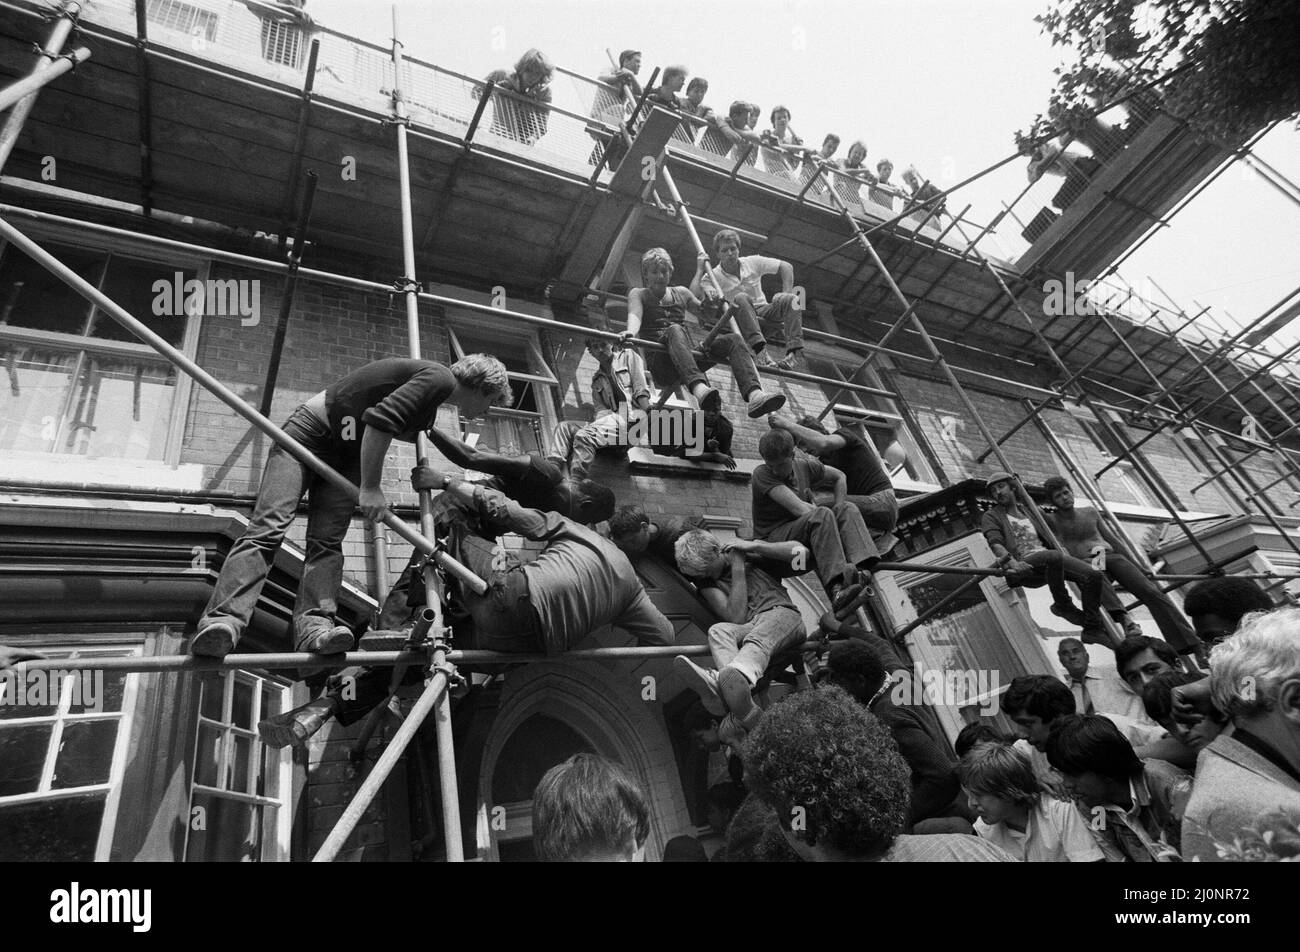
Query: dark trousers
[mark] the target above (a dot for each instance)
(879, 510)
(1172, 623)
(1053, 568)
(329, 513)
(837, 537)
(679, 365)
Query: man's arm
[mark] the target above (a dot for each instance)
(374, 447)
(637, 382)
(787, 499)
(787, 277)
(697, 287)
(496, 507)
(997, 543)
(839, 483)
(646, 623)
(818, 443)
(469, 457)
(787, 552)
(738, 597)
(633, 313)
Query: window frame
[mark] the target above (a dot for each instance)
(124, 717)
(138, 251)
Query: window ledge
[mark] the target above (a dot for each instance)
(646, 462)
(49, 469)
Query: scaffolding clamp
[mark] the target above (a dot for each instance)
(404, 285)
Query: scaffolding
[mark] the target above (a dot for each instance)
(436, 651)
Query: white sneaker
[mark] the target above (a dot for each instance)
(703, 681)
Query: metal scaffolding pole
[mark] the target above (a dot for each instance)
(909, 310)
(46, 60)
(225, 395)
(33, 81)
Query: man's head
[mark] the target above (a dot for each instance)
(589, 502)
(674, 78)
(1095, 760)
(884, 169)
(912, 177)
(483, 383)
(630, 60)
(1255, 680)
(755, 111)
(656, 269)
(831, 773)
(999, 781)
(589, 809)
(726, 245)
(857, 153)
(1140, 658)
(1034, 702)
(854, 666)
(1157, 698)
(629, 529)
(974, 734)
(534, 68)
(777, 449)
(738, 113)
(780, 117)
(1216, 606)
(1058, 492)
(1073, 657)
(830, 144)
(699, 554)
(696, 90)
(601, 348)
(1002, 488)
(684, 849)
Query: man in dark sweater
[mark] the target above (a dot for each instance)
(849, 451)
(632, 531)
(349, 426)
(578, 583)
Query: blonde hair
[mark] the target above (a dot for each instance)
(1248, 669)
(536, 57)
(484, 373)
(656, 255)
(696, 550)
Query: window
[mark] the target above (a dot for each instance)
(239, 790)
(76, 381)
(888, 431)
(63, 745)
(1128, 482)
(184, 18)
(526, 425)
(282, 42)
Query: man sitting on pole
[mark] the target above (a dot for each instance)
(850, 452)
(741, 583)
(350, 426)
(1085, 537)
(784, 511)
(1010, 532)
(660, 311)
(578, 583)
(742, 286)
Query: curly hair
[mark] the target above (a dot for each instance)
(830, 771)
(854, 666)
(597, 501)
(484, 373)
(1134, 645)
(1229, 598)
(754, 836)
(1247, 671)
(1053, 484)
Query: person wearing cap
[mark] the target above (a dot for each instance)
(1010, 532)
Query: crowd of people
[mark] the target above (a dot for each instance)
(523, 114)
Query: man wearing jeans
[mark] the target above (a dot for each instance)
(578, 583)
(742, 286)
(662, 311)
(618, 391)
(1010, 532)
(1084, 536)
(349, 426)
(847, 450)
(741, 582)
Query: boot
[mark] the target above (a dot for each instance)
(214, 641)
(794, 360)
(296, 727)
(1069, 611)
(323, 640)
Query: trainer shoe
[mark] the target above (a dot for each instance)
(326, 640)
(1069, 611)
(795, 361)
(734, 689)
(763, 359)
(885, 543)
(761, 403)
(711, 402)
(297, 726)
(214, 641)
(703, 681)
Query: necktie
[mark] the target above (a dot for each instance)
(1085, 701)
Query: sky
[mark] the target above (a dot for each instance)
(942, 84)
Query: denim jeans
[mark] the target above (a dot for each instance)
(1172, 623)
(780, 313)
(837, 537)
(578, 442)
(750, 648)
(329, 513)
(879, 510)
(1052, 568)
(679, 364)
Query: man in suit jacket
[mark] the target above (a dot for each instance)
(1254, 771)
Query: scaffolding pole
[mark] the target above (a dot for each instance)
(439, 701)
(33, 81)
(46, 59)
(909, 310)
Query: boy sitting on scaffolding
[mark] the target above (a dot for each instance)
(661, 309)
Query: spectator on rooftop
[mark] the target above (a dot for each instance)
(530, 79)
(922, 192)
(667, 93)
(853, 174)
(815, 160)
(781, 140)
(692, 104)
(610, 107)
(730, 135)
(882, 192)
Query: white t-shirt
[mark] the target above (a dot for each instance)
(752, 269)
(1026, 535)
(1056, 833)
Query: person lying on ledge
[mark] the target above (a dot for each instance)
(578, 583)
